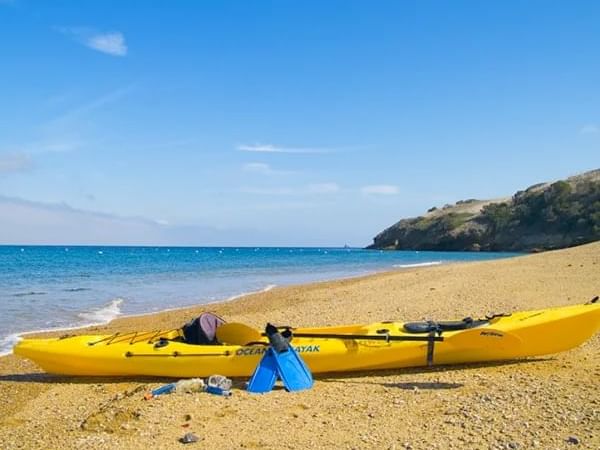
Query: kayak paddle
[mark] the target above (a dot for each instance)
(241, 334)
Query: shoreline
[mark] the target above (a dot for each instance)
(394, 269)
(19, 336)
(81, 310)
(532, 403)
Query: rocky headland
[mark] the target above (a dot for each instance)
(544, 216)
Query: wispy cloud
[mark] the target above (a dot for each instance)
(31, 222)
(110, 42)
(316, 188)
(14, 162)
(63, 132)
(269, 191)
(257, 167)
(263, 169)
(67, 144)
(268, 148)
(590, 128)
(53, 142)
(323, 188)
(91, 105)
(379, 189)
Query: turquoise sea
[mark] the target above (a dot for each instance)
(49, 287)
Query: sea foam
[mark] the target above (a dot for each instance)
(7, 343)
(423, 264)
(98, 317)
(105, 314)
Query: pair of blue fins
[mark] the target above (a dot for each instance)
(280, 361)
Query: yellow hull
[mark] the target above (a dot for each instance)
(522, 334)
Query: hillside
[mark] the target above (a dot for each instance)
(542, 217)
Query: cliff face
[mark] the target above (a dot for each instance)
(542, 217)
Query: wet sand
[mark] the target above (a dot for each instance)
(548, 403)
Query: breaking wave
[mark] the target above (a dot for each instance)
(105, 314)
(7, 343)
(423, 264)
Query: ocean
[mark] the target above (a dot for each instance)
(58, 287)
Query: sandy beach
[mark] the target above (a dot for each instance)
(548, 403)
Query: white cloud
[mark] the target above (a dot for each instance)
(66, 145)
(263, 169)
(257, 167)
(590, 129)
(111, 42)
(268, 191)
(268, 148)
(14, 162)
(318, 188)
(323, 188)
(379, 189)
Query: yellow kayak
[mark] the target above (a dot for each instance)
(382, 345)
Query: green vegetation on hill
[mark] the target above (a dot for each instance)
(561, 208)
(544, 216)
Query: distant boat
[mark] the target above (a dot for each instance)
(346, 246)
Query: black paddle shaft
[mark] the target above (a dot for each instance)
(370, 337)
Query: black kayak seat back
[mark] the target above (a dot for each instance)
(203, 329)
(431, 326)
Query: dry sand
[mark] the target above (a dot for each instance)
(547, 403)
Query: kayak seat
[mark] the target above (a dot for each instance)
(202, 330)
(438, 327)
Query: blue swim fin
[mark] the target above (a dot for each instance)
(264, 376)
(292, 370)
(280, 360)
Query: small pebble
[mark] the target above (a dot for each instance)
(189, 438)
(573, 440)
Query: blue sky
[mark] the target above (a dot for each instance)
(284, 122)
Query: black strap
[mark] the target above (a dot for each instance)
(430, 346)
